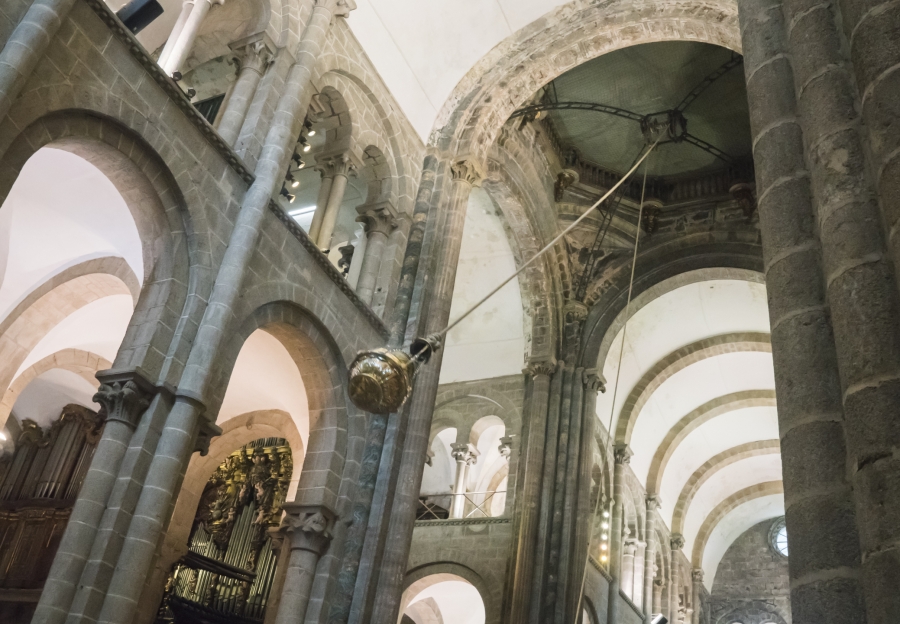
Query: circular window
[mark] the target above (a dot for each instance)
(778, 537)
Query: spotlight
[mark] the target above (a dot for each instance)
(659, 618)
(309, 129)
(296, 158)
(604, 536)
(294, 181)
(3, 437)
(603, 558)
(606, 514)
(287, 195)
(306, 146)
(602, 546)
(605, 525)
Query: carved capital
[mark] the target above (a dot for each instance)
(593, 381)
(653, 502)
(463, 452)
(622, 454)
(676, 541)
(308, 527)
(330, 165)
(630, 547)
(467, 170)
(255, 52)
(697, 575)
(541, 367)
(380, 217)
(506, 446)
(124, 398)
(575, 310)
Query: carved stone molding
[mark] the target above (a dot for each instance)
(676, 541)
(623, 454)
(308, 527)
(123, 397)
(467, 170)
(541, 367)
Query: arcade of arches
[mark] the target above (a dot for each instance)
(684, 409)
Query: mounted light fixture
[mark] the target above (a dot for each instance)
(309, 129)
(294, 181)
(305, 144)
(287, 195)
(296, 158)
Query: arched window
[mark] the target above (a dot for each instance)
(778, 537)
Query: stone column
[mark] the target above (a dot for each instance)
(465, 173)
(254, 57)
(123, 399)
(697, 591)
(658, 585)
(26, 46)
(818, 500)
(649, 603)
(379, 220)
(185, 41)
(529, 491)
(861, 279)
(341, 169)
(307, 531)
(464, 457)
(637, 589)
(676, 541)
(327, 176)
(622, 459)
(627, 580)
(186, 9)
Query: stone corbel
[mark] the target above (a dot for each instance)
(676, 541)
(378, 217)
(506, 447)
(308, 527)
(124, 396)
(593, 381)
(208, 431)
(255, 52)
(697, 575)
(575, 310)
(653, 503)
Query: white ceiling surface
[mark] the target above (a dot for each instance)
(490, 342)
(98, 327)
(733, 526)
(44, 231)
(690, 388)
(423, 49)
(44, 398)
(459, 601)
(678, 318)
(265, 377)
(752, 424)
(724, 483)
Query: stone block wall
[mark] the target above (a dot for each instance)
(751, 584)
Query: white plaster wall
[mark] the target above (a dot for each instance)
(265, 377)
(490, 342)
(60, 212)
(438, 477)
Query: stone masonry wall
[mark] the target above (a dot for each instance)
(751, 584)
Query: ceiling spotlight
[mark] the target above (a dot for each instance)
(306, 146)
(606, 514)
(296, 158)
(602, 546)
(294, 181)
(309, 129)
(605, 525)
(287, 195)
(603, 558)
(604, 536)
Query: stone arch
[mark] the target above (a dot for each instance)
(740, 497)
(711, 467)
(481, 425)
(700, 252)
(335, 117)
(422, 577)
(574, 33)
(333, 421)
(21, 334)
(83, 363)
(377, 173)
(159, 211)
(677, 361)
(690, 422)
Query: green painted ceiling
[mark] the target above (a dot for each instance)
(646, 79)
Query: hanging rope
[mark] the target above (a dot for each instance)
(612, 409)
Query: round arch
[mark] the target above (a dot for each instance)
(420, 578)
